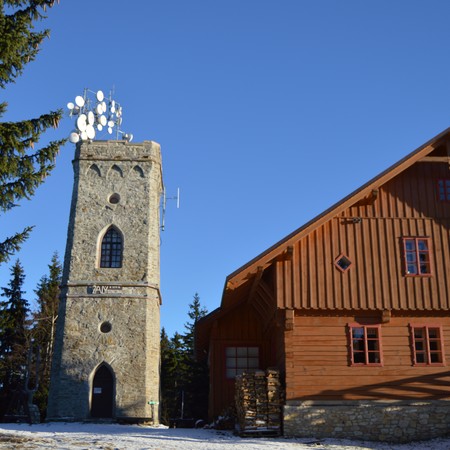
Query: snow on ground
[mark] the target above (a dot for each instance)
(87, 436)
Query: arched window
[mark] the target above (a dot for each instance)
(111, 251)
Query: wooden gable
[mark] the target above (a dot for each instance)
(366, 228)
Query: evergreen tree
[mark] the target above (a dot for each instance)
(196, 312)
(22, 168)
(196, 379)
(184, 381)
(13, 335)
(44, 327)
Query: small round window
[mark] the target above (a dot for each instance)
(105, 327)
(114, 198)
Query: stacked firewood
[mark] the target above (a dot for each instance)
(258, 402)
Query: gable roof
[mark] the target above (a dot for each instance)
(248, 270)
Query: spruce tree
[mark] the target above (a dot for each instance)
(196, 379)
(22, 167)
(13, 335)
(43, 332)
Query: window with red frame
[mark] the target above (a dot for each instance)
(443, 190)
(365, 345)
(241, 359)
(427, 345)
(417, 257)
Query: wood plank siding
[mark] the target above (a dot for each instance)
(317, 362)
(295, 303)
(371, 238)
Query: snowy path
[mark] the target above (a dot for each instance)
(82, 436)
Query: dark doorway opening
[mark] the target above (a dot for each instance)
(102, 393)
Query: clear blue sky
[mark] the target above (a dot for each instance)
(267, 112)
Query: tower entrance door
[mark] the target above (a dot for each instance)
(102, 393)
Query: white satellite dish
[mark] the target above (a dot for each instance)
(99, 109)
(90, 118)
(84, 136)
(79, 100)
(70, 106)
(110, 123)
(81, 122)
(100, 96)
(99, 127)
(109, 130)
(113, 109)
(103, 120)
(103, 106)
(74, 137)
(90, 131)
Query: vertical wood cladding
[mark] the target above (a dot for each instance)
(317, 362)
(370, 236)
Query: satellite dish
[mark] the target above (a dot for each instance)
(100, 96)
(103, 120)
(70, 106)
(113, 109)
(84, 136)
(74, 137)
(99, 109)
(90, 118)
(113, 104)
(79, 100)
(90, 131)
(109, 130)
(99, 127)
(110, 123)
(103, 106)
(81, 122)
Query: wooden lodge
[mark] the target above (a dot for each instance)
(352, 309)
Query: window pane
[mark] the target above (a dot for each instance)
(420, 358)
(241, 351)
(418, 333)
(359, 358)
(230, 351)
(241, 362)
(435, 357)
(358, 333)
(412, 269)
(422, 245)
(253, 351)
(372, 333)
(374, 357)
(410, 245)
(433, 333)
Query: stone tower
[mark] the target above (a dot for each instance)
(106, 357)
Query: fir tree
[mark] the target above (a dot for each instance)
(13, 335)
(44, 327)
(22, 167)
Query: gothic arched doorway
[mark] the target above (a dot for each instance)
(102, 393)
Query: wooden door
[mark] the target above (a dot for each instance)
(102, 393)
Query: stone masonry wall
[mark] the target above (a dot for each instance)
(130, 349)
(373, 421)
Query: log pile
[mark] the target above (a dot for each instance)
(258, 403)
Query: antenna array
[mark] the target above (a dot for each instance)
(94, 115)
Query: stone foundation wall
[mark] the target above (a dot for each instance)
(365, 420)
